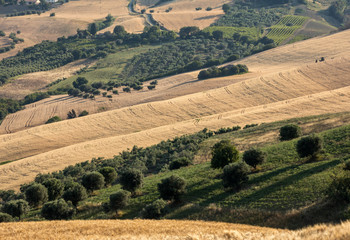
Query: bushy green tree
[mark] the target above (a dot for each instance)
(339, 189)
(179, 162)
(172, 188)
(223, 153)
(36, 194)
(253, 157)
(131, 180)
(54, 188)
(16, 208)
(93, 181)
(109, 174)
(155, 210)
(75, 193)
(56, 210)
(119, 200)
(289, 132)
(309, 146)
(235, 175)
(4, 217)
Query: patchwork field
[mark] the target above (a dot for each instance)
(285, 82)
(68, 18)
(164, 229)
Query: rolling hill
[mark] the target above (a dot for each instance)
(284, 82)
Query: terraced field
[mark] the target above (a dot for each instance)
(284, 82)
(285, 28)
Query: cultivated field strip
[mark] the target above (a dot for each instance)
(165, 230)
(276, 91)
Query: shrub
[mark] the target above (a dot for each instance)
(339, 189)
(119, 200)
(289, 132)
(52, 14)
(36, 194)
(253, 157)
(83, 113)
(75, 194)
(155, 210)
(54, 188)
(235, 175)
(71, 114)
(126, 89)
(151, 87)
(209, 9)
(53, 119)
(223, 153)
(93, 181)
(16, 208)
(309, 146)
(58, 209)
(4, 217)
(131, 180)
(109, 174)
(172, 188)
(115, 92)
(180, 162)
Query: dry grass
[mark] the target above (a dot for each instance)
(32, 82)
(164, 229)
(285, 83)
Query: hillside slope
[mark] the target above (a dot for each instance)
(164, 229)
(286, 83)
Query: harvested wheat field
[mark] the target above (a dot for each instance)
(287, 83)
(25, 84)
(164, 229)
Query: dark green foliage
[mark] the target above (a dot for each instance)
(54, 188)
(93, 181)
(4, 217)
(180, 162)
(36, 194)
(16, 208)
(8, 195)
(235, 175)
(250, 17)
(250, 125)
(109, 175)
(289, 132)
(126, 89)
(309, 146)
(223, 71)
(75, 193)
(8, 106)
(119, 200)
(71, 114)
(53, 119)
(57, 210)
(225, 8)
(155, 210)
(339, 189)
(151, 87)
(93, 28)
(131, 180)
(2, 34)
(347, 166)
(119, 31)
(187, 32)
(218, 35)
(172, 188)
(226, 130)
(253, 157)
(80, 81)
(337, 9)
(34, 97)
(223, 153)
(83, 113)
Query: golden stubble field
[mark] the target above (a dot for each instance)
(68, 18)
(164, 229)
(183, 12)
(285, 82)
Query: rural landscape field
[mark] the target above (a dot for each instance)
(156, 119)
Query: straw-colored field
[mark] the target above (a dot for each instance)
(184, 13)
(69, 17)
(164, 229)
(285, 82)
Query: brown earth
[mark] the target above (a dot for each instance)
(164, 229)
(285, 82)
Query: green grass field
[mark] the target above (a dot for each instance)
(284, 183)
(251, 32)
(285, 28)
(106, 69)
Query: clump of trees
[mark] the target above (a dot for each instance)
(289, 132)
(172, 188)
(15, 208)
(222, 71)
(155, 210)
(53, 119)
(223, 153)
(57, 209)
